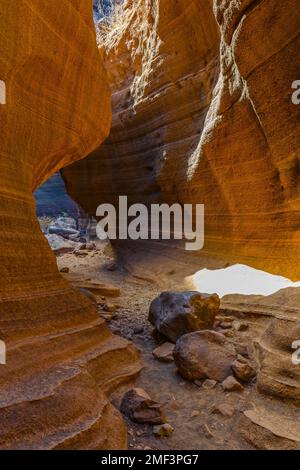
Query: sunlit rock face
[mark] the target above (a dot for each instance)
(53, 387)
(202, 113)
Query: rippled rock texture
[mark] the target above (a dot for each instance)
(202, 113)
(61, 358)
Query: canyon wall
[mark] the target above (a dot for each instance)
(62, 361)
(202, 113)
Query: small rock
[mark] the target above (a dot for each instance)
(209, 384)
(80, 254)
(90, 246)
(224, 410)
(232, 385)
(165, 430)
(140, 408)
(164, 353)
(195, 414)
(204, 429)
(198, 383)
(240, 326)
(65, 270)
(226, 325)
(113, 266)
(228, 333)
(243, 369)
(82, 246)
(99, 288)
(242, 350)
(109, 308)
(138, 330)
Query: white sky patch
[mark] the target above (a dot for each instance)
(240, 279)
(2, 92)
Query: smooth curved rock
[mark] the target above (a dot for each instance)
(62, 361)
(176, 313)
(204, 114)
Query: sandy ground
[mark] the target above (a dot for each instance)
(191, 410)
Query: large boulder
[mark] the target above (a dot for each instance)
(176, 313)
(204, 355)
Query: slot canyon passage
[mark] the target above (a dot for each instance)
(201, 113)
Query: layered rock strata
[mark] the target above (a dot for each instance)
(61, 359)
(203, 113)
(271, 421)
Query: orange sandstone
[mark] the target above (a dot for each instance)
(203, 113)
(62, 360)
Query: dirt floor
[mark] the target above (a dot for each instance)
(202, 419)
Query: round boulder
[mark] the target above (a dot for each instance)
(204, 355)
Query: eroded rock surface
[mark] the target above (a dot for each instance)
(176, 313)
(140, 408)
(203, 113)
(62, 361)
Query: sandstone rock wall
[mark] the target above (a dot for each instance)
(202, 113)
(61, 359)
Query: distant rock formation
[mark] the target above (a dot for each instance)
(62, 361)
(53, 200)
